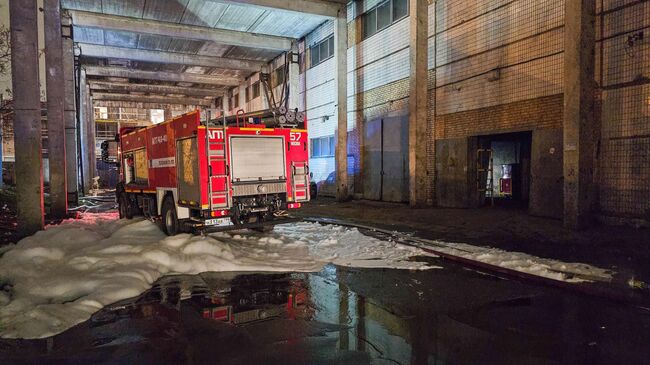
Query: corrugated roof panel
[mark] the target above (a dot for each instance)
(239, 17)
(213, 49)
(154, 42)
(287, 24)
(224, 72)
(88, 35)
(204, 13)
(132, 8)
(120, 39)
(150, 66)
(87, 5)
(256, 54)
(185, 45)
(165, 10)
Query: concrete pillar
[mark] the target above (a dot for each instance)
(55, 108)
(226, 104)
(84, 126)
(27, 119)
(69, 115)
(341, 61)
(579, 87)
(418, 57)
(90, 134)
(1, 150)
(168, 112)
(263, 94)
(294, 78)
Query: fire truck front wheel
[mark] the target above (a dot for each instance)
(169, 218)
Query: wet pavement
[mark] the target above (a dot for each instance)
(349, 316)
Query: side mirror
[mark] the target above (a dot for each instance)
(311, 175)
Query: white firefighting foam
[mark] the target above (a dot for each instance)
(59, 277)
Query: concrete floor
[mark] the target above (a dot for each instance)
(625, 250)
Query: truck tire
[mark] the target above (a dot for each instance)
(170, 223)
(126, 211)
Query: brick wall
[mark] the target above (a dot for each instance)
(539, 113)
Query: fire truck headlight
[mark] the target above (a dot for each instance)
(261, 189)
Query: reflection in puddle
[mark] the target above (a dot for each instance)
(349, 316)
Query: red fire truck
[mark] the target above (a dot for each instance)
(207, 175)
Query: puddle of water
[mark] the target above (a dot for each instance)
(347, 316)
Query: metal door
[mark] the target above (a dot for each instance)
(386, 159)
(395, 160)
(372, 160)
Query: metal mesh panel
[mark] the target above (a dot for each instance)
(623, 67)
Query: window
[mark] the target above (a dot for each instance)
(278, 76)
(400, 9)
(256, 90)
(248, 94)
(101, 112)
(322, 50)
(323, 146)
(218, 103)
(369, 21)
(383, 15)
(236, 96)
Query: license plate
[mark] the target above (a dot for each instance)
(218, 222)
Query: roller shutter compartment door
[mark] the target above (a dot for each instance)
(188, 170)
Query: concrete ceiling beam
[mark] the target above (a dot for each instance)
(150, 99)
(107, 71)
(314, 7)
(99, 51)
(132, 104)
(153, 89)
(153, 27)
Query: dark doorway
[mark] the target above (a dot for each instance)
(503, 169)
(386, 159)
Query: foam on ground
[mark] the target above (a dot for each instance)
(59, 277)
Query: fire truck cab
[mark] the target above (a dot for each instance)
(208, 175)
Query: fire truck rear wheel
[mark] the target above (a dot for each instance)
(125, 207)
(169, 218)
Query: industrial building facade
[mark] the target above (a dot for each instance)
(495, 86)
